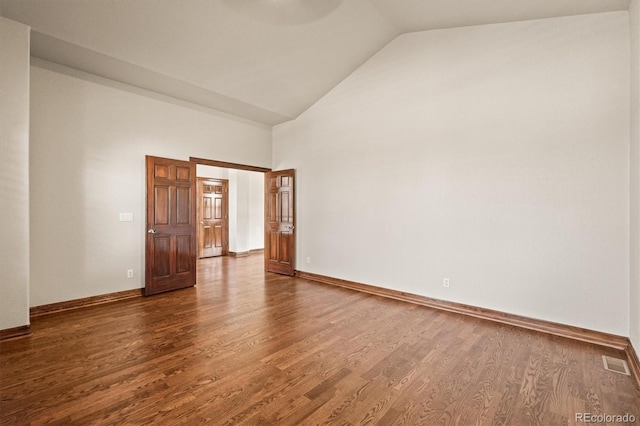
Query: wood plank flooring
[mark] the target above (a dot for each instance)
(246, 347)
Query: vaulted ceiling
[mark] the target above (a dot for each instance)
(265, 60)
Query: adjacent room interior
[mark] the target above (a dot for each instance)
(467, 183)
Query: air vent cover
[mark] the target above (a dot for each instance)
(616, 365)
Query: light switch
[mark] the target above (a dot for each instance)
(126, 217)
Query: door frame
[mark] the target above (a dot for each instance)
(238, 166)
(227, 165)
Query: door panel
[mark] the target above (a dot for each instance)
(183, 173)
(171, 225)
(213, 217)
(184, 208)
(161, 205)
(206, 237)
(218, 208)
(280, 222)
(207, 209)
(217, 236)
(161, 258)
(184, 252)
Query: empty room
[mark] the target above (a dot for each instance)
(301, 212)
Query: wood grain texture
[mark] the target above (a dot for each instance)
(562, 330)
(68, 305)
(252, 348)
(228, 165)
(14, 332)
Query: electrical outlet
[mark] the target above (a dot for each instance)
(446, 282)
(308, 259)
(129, 273)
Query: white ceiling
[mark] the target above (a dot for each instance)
(265, 60)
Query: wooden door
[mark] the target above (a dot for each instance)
(171, 225)
(279, 211)
(213, 217)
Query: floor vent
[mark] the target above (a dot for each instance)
(616, 365)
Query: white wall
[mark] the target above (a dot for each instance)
(496, 156)
(88, 143)
(256, 211)
(212, 172)
(241, 210)
(634, 293)
(14, 174)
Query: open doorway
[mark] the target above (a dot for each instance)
(245, 224)
(279, 238)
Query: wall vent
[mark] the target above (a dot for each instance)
(616, 365)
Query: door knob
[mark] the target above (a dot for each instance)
(151, 231)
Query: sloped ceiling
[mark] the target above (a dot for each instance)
(264, 60)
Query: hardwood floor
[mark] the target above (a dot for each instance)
(246, 347)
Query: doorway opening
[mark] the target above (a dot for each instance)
(279, 238)
(231, 206)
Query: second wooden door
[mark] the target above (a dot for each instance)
(279, 216)
(213, 217)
